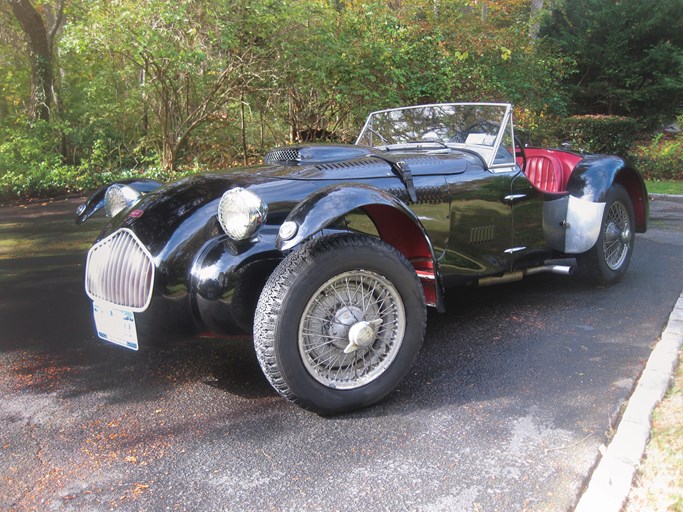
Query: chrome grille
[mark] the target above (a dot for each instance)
(120, 270)
(282, 156)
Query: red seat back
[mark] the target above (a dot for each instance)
(545, 173)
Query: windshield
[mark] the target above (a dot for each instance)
(480, 127)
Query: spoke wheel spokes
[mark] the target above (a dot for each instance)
(325, 329)
(617, 236)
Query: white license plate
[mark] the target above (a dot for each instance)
(115, 325)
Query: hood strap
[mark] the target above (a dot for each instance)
(401, 169)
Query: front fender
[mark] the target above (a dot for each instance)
(328, 204)
(227, 279)
(96, 200)
(396, 224)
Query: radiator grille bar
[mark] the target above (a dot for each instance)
(120, 270)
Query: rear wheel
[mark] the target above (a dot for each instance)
(339, 323)
(608, 260)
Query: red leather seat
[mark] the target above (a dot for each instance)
(545, 173)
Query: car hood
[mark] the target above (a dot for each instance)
(289, 175)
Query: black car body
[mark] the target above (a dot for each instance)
(430, 197)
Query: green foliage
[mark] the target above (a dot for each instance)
(601, 134)
(662, 158)
(44, 180)
(668, 187)
(628, 54)
(30, 165)
(24, 145)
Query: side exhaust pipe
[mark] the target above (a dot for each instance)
(563, 270)
(548, 268)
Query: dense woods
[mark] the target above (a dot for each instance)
(92, 89)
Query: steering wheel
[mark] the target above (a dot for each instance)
(519, 152)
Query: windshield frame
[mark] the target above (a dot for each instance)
(486, 151)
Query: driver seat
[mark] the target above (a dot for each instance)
(545, 173)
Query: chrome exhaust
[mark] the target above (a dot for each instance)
(518, 275)
(563, 270)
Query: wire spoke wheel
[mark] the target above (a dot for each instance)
(617, 236)
(339, 323)
(351, 329)
(607, 261)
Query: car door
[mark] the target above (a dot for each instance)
(529, 244)
(481, 239)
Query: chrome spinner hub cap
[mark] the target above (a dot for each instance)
(344, 319)
(362, 334)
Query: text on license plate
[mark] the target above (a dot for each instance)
(115, 325)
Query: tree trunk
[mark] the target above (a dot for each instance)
(292, 115)
(39, 41)
(535, 21)
(168, 155)
(243, 132)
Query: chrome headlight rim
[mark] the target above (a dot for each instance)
(241, 213)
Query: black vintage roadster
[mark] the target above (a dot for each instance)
(330, 254)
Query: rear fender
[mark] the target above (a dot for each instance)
(593, 177)
(396, 224)
(96, 200)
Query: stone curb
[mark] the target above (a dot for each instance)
(666, 197)
(611, 481)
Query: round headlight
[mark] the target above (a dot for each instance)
(240, 213)
(118, 197)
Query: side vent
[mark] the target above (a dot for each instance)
(482, 235)
(365, 162)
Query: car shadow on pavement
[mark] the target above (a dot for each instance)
(47, 325)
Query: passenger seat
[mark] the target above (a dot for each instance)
(545, 173)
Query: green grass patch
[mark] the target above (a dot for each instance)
(665, 187)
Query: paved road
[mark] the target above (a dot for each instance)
(515, 390)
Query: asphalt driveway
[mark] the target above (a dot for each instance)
(515, 390)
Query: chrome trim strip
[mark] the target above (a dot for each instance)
(513, 250)
(514, 197)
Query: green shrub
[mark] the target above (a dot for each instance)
(31, 166)
(661, 159)
(22, 147)
(49, 178)
(612, 135)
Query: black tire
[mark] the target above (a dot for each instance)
(303, 323)
(608, 260)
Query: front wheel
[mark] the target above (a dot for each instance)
(339, 323)
(608, 260)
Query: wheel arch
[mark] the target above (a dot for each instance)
(633, 182)
(396, 225)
